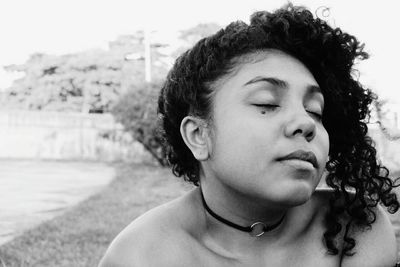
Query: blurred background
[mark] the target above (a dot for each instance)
(79, 158)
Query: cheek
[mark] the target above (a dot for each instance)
(232, 140)
(241, 139)
(242, 142)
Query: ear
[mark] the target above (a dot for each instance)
(194, 132)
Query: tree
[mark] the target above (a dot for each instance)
(137, 112)
(391, 135)
(192, 35)
(89, 81)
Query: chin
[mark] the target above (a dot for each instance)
(295, 195)
(298, 200)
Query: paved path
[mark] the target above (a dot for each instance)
(34, 191)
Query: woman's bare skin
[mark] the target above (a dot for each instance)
(182, 233)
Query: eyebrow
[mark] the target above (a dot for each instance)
(271, 80)
(281, 83)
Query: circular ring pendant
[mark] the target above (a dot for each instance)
(257, 229)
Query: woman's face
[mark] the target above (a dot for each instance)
(268, 139)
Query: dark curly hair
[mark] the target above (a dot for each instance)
(358, 180)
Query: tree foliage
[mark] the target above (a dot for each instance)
(382, 120)
(191, 35)
(89, 81)
(137, 111)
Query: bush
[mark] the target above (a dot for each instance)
(137, 112)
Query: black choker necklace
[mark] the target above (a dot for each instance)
(256, 229)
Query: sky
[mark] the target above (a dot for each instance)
(68, 26)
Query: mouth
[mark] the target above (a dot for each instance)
(302, 156)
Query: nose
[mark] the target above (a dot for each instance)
(300, 125)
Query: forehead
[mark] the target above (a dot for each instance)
(271, 62)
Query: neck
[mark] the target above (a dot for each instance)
(242, 210)
(238, 208)
(229, 239)
(257, 228)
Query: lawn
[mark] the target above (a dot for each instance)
(80, 236)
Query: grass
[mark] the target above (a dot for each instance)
(80, 236)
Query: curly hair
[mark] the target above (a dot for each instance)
(359, 181)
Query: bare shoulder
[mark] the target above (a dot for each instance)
(151, 239)
(376, 246)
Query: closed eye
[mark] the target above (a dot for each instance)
(317, 115)
(266, 107)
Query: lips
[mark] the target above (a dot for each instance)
(301, 155)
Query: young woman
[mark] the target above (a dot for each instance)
(255, 115)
